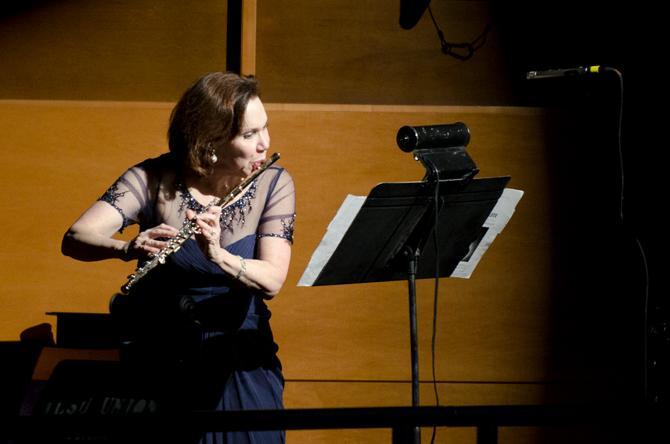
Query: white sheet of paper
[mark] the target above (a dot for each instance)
(334, 234)
(498, 218)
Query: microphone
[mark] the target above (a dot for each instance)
(569, 72)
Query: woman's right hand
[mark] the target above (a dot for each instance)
(149, 242)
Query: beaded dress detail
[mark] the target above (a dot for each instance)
(235, 213)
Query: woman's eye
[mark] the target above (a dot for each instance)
(247, 135)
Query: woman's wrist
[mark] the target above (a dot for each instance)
(124, 252)
(243, 268)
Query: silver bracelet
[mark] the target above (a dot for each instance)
(243, 268)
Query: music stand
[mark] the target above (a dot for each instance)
(392, 237)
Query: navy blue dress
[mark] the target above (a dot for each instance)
(201, 339)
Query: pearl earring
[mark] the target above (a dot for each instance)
(212, 155)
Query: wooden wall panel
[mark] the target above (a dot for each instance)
(350, 51)
(331, 51)
(100, 50)
(53, 169)
(58, 157)
(147, 50)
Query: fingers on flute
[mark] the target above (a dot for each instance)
(168, 229)
(160, 232)
(214, 211)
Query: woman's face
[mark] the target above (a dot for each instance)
(246, 151)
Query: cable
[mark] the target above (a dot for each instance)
(620, 142)
(452, 49)
(636, 240)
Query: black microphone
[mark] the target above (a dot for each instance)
(569, 72)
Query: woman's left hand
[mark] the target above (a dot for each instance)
(209, 237)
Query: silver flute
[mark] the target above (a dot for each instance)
(190, 228)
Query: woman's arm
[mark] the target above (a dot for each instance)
(90, 238)
(266, 273)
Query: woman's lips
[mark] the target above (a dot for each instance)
(256, 164)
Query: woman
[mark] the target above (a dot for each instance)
(199, 324)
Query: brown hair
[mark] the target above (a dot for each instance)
(209, 115)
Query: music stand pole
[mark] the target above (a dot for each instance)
(413, 261)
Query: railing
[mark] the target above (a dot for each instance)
(401, 420)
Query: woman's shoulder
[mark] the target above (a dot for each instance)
(153, 169)
(275, 181)
(152, 175)
(277, 172)
(164, 162)
(275, 176)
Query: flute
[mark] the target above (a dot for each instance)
(190, 228)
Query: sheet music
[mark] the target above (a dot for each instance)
(334, 234)
(500, 214)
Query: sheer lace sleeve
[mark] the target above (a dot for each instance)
(278, 217)
(129, 195)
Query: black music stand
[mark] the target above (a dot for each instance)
(392, 237)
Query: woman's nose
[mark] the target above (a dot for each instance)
(264, 142)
